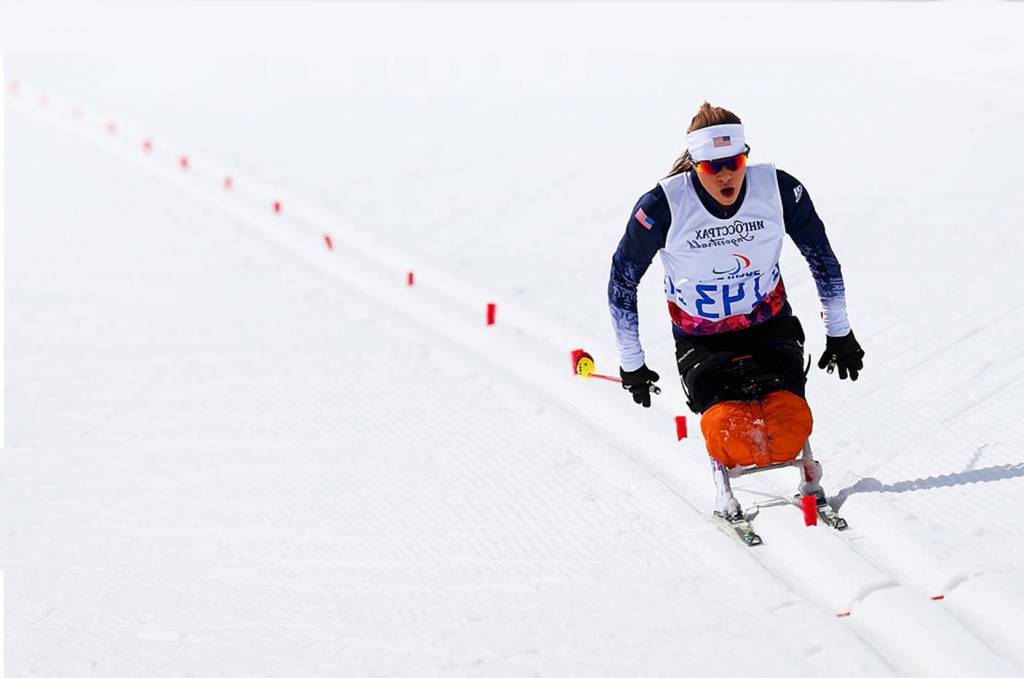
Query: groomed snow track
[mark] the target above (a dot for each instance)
(883, 584)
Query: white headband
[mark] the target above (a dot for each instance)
(717, 141)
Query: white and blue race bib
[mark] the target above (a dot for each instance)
(716, 269)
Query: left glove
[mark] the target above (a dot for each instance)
(844, 353)
(640, 382)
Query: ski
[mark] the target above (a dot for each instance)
(826, 513)
(738, 527)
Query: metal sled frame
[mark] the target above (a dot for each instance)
(805, 459)
(805, 462)
(810, 486)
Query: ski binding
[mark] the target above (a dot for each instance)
(739, 527)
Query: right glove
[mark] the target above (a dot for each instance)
(844, 353)
(640, 382)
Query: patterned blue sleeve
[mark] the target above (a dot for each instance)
(645, 234)
(806, 229)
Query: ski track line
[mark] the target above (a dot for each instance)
(905, 629)
(991, 630)
(876, 525)
(884, 605)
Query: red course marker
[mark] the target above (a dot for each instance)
(490, 313)
(842, 614)
(228, 183)
(277, 206)
(111, 127)
(328, 241)
(147, 145)
(409, 279)
(680, 428)
(938, 597)
(12, 87)
(809, 503)
(183, 162)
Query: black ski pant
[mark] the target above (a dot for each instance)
(742, 365)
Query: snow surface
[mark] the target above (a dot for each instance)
(234, 452)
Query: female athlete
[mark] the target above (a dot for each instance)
(718, 224)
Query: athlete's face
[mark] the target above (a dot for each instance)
(724, 187)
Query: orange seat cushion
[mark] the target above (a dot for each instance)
(758, 432)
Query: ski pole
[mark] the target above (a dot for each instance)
(583, 365)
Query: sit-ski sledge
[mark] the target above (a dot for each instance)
(810, 497)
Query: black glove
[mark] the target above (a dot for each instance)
(844, 353)
(640, 382)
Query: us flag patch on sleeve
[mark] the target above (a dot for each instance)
(644, 220)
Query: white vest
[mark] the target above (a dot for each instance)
(720, 268)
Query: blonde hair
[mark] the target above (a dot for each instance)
(707, 116)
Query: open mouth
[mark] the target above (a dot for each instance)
(728, 192)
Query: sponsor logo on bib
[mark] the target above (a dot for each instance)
(731, 234)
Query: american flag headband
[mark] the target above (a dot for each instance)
(715, 142)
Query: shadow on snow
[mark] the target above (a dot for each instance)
(977, 475)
